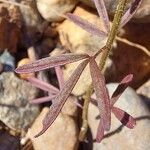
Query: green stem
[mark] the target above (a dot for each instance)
(84, 128)
(111, 36)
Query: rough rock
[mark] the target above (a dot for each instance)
(15, 110)
(63, 133)
(11, 13)
(142, 15)
(9, 28)
(127, 59)
(6, 59)
(52, 10)
(31, 16)
(34, 24)
(121, 137)
(80, 41)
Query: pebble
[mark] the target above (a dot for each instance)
(62, 134)
(15, 110)
(53, 10)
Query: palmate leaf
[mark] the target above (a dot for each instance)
(43, 85)
(100, 6)
(130, 12)
(101, 93)
(126, 119)
(50, 62)
(61, 98)
(121, 88)
(84, 24)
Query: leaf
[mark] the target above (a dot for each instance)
(121, 88)
(130, 12)
(100, 132)
(60, 78)
(61, 98)
(124, 117)
(50, 62)
(43, 85)
(100, 5)
(42, 99)
(89, 27)
(101, 94)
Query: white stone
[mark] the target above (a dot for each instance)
(52, 10)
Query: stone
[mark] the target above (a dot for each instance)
(11, 13)
(61, 135)
(9, 35)
(144, 90)
(126, 58)
(53, 10)
(33, 23)
(120, 137)
(21, 63)
(70, 107)
(81, 42)
(15, 110)
(31, 16)
(142, 14)
(7, 59)
(10, 18)
(8, 31)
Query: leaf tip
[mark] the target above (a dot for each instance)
(17, 70)
(127, 78)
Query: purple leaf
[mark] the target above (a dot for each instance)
(101, 92)
(50, 62)
(124, 117)
(43, 85)
(100, 132)
(61, 98)
(42, 99)
(60, 78)
(89, 27)
(121, 88)
(100, 5)
(130, 12)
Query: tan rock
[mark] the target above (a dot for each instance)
(62, 135)
(23, 62)
(70, 107)
(51, 10)
(80, 42)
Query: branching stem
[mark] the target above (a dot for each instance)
(111, 36)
